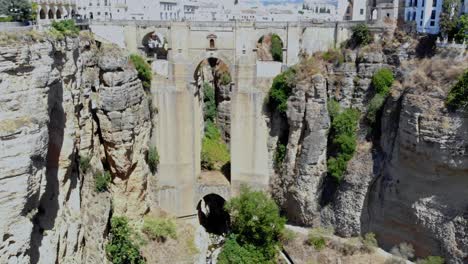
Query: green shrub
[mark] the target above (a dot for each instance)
(152, 159)
(361, 35)
(318, 242)
(333, 56)
(85, 163)
(6, 19)
(462, 29)
(121, 249)
(287, 235)
(276, 48)
(431, 260)
(382, 81)
(232, 253)
(215, 153)
(343, 138)
(280, 154)
(66, 27)
(256, 221)
(458, 96)
(209, 110)
(280, 91)
(369, 242)
(225, 78)
(102, 181)
(159, 228)
(374, 107)
(333, 108)
(145, 74)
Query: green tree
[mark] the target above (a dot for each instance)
(462, 29)
(382, 80)
(280, 90)
(256, 221)
(145, 74)
(431, 260)
(159, 228)
(343, 137)
(209, 100)
(234, 253)
(19, 10)
(458, 96)
(120, 248)
(276, 48)
(449, 18)
(361, 35)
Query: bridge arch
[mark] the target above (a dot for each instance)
(58, 13)
(42, 13)
(155, 44)
(197, 60)
(271, 41)
(212, 215)
(50, 14)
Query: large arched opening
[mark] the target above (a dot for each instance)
(270, 48)
(213, 81)
(155, 46)
(212, 215)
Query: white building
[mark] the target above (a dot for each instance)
(425, 14)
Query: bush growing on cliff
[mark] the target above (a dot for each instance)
(342, 138)
(256, 221)
(361, 36)
(225, 78)
(65, 28)
(431, 260)
(318, 242)
(84, 163)
(145, 74)
(102, 181)
(152, 159)
(280, 91)
(120, 248)
(458, 96)
(159, 228)
(382, 82)
(333, 56)
(280, 154)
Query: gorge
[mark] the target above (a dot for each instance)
(81, 130)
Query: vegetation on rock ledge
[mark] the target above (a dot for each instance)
(145, 73)
(120, 248)
(159, 228)
(102, 181)
(382, 82)
(152, 159)
(458, 96)
(342, 138)
(280, 90)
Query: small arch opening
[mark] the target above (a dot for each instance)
(212, 215)
(155, 46)
(212, 43)
(270, 48)
(42, 14)
(51, 14)
(58, 14)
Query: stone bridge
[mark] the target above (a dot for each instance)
(179, 122)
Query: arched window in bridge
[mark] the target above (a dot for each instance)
(51, 14)
(42, 14)
(212, 41)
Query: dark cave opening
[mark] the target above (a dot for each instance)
(212, 215)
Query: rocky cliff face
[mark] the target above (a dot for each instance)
(406, 184)
(62, 102)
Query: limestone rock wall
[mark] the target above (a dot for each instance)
(62, 100)
(407, 183)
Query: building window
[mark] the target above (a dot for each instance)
(432, 23)
(434, 3)
(212, 44)
(408, 16)
(422, 14)
(414, 15)
(433, 14)
(422, 4)
(420, 23)
(415, 2)
(361, 11)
